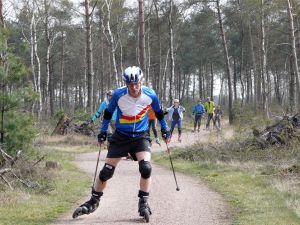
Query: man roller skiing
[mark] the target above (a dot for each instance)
(131, 137)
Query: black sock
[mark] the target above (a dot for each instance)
(142, 194)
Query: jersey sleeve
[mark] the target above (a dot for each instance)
(99, 111)
(108, 113)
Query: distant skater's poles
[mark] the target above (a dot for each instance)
(168, 150)
(97, 166)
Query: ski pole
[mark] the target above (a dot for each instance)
(168, 150)
(97, 166)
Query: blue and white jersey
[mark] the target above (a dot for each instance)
(132, 113)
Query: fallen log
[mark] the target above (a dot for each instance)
(287, 128)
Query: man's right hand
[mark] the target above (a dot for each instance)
(166, 135)
(102, 137)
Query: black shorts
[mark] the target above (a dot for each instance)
(120, 145)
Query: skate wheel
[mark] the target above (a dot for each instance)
(77, 212)
(80, 211)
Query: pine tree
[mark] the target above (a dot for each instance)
(16, 93)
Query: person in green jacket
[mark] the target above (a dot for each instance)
(209, 108)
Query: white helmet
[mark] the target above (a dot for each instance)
(132, 75)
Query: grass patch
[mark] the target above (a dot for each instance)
(26, 207)
(252, 198)
(70, 140)
(261, 186)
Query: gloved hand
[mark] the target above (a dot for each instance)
(166, 135)
(102, 137)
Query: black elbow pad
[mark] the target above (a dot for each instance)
(107, 115)
(159, 115)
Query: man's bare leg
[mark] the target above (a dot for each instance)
(100, 185)
(106, 173)
(145, 183)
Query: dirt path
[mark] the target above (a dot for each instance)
(193, 204)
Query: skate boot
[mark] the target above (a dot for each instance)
(144, 209)
(157, 141)
(179, 138)
(89, 206)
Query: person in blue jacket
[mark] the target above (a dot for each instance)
(101, 109)
(198, 112)
(131, 136)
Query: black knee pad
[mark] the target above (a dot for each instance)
(145, 169)
(107, 172)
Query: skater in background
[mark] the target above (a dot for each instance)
(209, 108)
(175, 115)
(217, 117)
(131, 136)
(152, 124)
(101, 109)
(198, 112)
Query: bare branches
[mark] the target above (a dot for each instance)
(6, 181)
(9, 162)
(4, 171)
(5, 155)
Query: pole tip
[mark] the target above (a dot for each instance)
(177, 189)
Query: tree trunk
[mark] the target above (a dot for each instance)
(242, 53)
(248, 85)
(89, 56)
(187, 87)
(172, 62)
(178, 84)
(81, 104)
(102, 70)
(194, 86)
(110, 39)
(121, 51)
(200, 83)
(221, 92)
(142, 37)
(211, 81)
(226, 58)
(32, 52)
(292, 87)
(254, 68)
(2, 24)
(38, 63)
(183, 88)
(277, 86)
(293, 49)
(159, 78)
(62, 65)
(48, 47)
(234, 79)
(148, 56)
(51, 85)
(3, 62)
(264, 62)
(164, 78)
